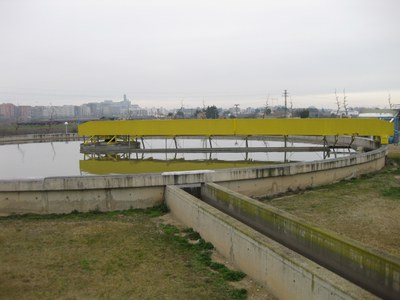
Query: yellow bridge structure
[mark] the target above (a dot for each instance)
(126, 130)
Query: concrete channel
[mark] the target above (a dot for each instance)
(286, 273)
(375, 271)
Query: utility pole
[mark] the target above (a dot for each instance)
(285, 94)
(266, 108)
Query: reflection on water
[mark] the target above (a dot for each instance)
(64, 159)
(39, 160)
(137, 166)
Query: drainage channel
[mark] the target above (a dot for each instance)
(375, 272)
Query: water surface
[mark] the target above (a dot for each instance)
(64, 158)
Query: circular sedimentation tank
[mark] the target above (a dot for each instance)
(63, 194)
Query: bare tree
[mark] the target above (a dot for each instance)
(390, 102)
(345, 103)
(291, 106)
(337, 103)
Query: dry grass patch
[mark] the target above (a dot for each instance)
(119, 255)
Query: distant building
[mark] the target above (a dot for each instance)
(344, 114)
(157, 112)
(382, 114)
(24, 113)
(37, 112)
(137, 112)
(82, 111)
(7, 111)
(65, 111)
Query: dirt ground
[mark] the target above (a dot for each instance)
(365, 209)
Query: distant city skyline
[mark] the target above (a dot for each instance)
(366, 99)
(163, 53)
(124, 109)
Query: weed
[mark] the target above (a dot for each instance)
(204, 257)
(191, 234)
(203, 245)
(226, 273)
(202, 253)
(216, 266)
(392, 192)
(170, 229)
(86, 264)
(164, 208)
(238, 294)
(92, 214)
(156, 211)
(232, 275)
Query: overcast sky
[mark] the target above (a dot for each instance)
(164, 53)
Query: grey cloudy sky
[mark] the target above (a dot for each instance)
(161, 53)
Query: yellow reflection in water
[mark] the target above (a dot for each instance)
(137, 166)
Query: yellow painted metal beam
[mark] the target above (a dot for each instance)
(240, 127)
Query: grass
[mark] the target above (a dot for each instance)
(365, 208)
(201, 252)
(392, 192)
(115, 255)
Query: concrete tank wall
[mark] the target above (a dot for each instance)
(285, 273)
(66, 201)
(39, 138)
(299, 176)
(54, 194)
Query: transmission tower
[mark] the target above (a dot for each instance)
(285, 94)
(266, 107)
